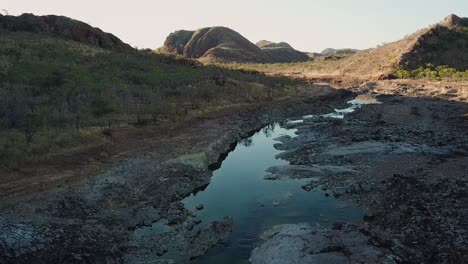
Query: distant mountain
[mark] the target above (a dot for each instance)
(63, 27)
(268, 44)
(221, 44)
(314, 55)
(281, 52)
(331, 51)
(214, 44)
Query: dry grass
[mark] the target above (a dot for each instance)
(365, 65)
(15, 152)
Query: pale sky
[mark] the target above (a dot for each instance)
(308, 25)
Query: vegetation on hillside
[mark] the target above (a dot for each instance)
(432, 72)
(58, 94)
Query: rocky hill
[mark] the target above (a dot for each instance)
(63, 27)
(221, 44)
(445, 43)
(214, 44)
(281, 52)
(331, 51)
(268, 44)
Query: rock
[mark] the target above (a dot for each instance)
(302, 243)
(200, 207)
(162, 250)
(309, 186)
(369, 216)
(352, 188)
(303, 171)
(177, 213)
(271, 177)
(208, 236)
(338, 191)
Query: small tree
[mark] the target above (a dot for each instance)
(101, 108)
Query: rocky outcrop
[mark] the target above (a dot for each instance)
(454, 21)
(281, 52)
(63, 27)
(214, 44)
(445, 43)
(221, 44)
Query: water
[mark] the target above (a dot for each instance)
(237, 189)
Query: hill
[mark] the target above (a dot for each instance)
(268, 44)
(331, 51)
(281, 52)
(446, 43)
(443, 44)
(64, 27)
(221, 44)
(215, 44)
(61, 90)
(440, 51)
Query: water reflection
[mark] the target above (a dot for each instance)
(237, 189)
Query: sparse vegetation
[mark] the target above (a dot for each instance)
(431, 72)
(50, 86)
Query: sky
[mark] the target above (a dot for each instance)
(308, 25)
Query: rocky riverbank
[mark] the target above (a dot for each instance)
(120, 215)
(404, 161)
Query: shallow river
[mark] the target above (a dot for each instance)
(238, 190)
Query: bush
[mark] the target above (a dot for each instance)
(402, 74)
(431, 72)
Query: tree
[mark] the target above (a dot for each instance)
(100, 108)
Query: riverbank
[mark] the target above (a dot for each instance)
(93, 213)
(401, 160)
(406, 159)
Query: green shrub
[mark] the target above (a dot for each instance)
(402, 74)
(431, 72)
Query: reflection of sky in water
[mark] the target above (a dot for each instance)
(238, 190)
(358, 102)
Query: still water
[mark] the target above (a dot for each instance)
(238, 190)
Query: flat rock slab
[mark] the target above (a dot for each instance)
(302, 243)
(372, 147)
(305, 172)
